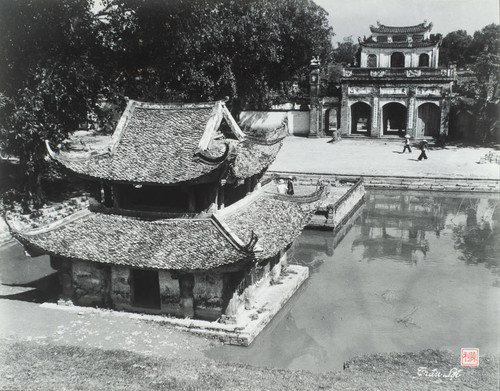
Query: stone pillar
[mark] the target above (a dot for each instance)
(315, 110)
(248, 185)
(116, 195)
(345, 122)
(191, 199)
(445, 114)
(221, 193)
(375, 128)
(411, 116)
(108, 197)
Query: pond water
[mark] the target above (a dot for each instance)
(414, 271)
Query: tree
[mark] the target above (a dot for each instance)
(346, 52)
(59, 61)
(204, 50)
(49, 78)
(476, 94)
(455, 48)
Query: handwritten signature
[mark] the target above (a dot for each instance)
(454, 373)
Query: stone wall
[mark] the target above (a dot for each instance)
(208, 294)
(90, 283)
(298, 121)
(258, 278)
(120, 287)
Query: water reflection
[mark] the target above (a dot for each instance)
(406, 273)
(395, 225)
(478, 238)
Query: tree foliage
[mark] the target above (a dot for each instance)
(59, 60)
(455, 48)
(48, 76)
(203, 50)
(346, 52)
(475, 93)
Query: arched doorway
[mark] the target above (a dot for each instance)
(429, 120)
(397, 60)
(423, 60)
(332, 120)
(361, 118)
(394, 118)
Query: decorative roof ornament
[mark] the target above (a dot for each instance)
(315, 61)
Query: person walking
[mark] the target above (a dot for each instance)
(407, 144)
(423, 148)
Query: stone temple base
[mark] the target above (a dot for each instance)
(244, 326)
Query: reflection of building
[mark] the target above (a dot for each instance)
(183, 225)
(398, 88)
(396, 226)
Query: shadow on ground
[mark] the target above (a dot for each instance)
(43, 289)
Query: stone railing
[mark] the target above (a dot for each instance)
(345, 204)
(375, 73)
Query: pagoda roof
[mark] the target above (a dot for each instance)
(277, 220)
(241, 233)
(416, 29)
(167, 144)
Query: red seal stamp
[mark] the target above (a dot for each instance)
(469, 356)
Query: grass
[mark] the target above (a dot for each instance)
(31, 366)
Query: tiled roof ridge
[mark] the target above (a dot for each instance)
(219, 112)
(242, 203)
(231, 236)
(382, 28)
(17, 231)
(57, 156)
(279, 134)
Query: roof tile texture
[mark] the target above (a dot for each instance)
(162, 244)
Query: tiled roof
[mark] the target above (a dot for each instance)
(154, 143)
(276, 220)
(252, 158)
(383, 29)
(167, 144)
(159, 244)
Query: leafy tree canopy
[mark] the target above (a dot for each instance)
(346, 52)
(206, 49)
(48, 75)
(60, 60)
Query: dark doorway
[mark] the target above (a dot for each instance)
(397, 60)
(372, 61)
(146, 288)
(394, 119)
(423, 60)
(429, 120)
(360, 118)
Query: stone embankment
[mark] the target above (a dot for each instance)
(401, 182)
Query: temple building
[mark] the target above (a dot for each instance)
(182, 223)
(397, 89)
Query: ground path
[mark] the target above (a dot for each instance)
(381, 158)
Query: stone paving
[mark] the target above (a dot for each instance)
(382, 158)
